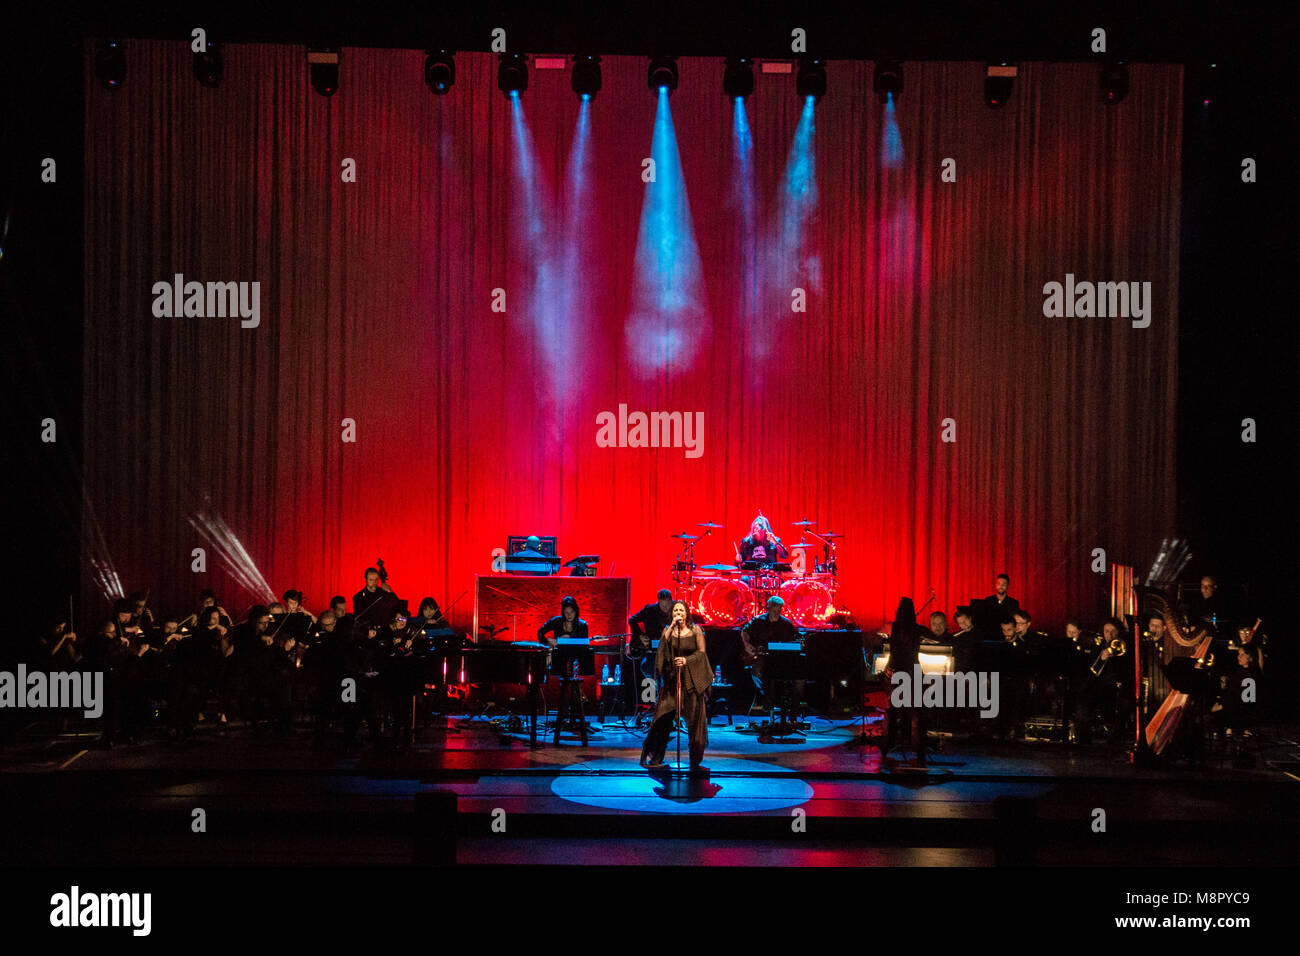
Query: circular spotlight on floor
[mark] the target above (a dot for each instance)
(663, 73)
(586, 76)
(811, 78)
(512, 73)
(439, 72)
(888, 80)
(1114, 82)
(323, 69)
(738, 77)
(622, 784)
(208, 65)
(998, 80)
(110, 64)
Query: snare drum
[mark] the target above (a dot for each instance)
(725, 601)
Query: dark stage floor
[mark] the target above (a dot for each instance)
(275, 799)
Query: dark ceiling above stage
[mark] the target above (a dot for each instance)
(1028, 29)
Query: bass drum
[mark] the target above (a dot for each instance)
(725, 601)
(807, 603)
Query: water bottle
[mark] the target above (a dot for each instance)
(618, 673)
(604, 674)
(717, 674)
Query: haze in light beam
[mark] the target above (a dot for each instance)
(668, 323)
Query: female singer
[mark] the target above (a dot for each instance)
(681, 647)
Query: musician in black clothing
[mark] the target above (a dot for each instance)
(762, 545)
(904, 644)
(1231, 709)
(1002, 604)
(141, 616)
(649, 622)
(1014, 667)
(343, 621)
(108, 652)
(364, 602)
(966, 642)
(1102, 703)
(567, 623)
(208, 599)
(1207, 608)
(428, 619)
(297, 621)
(245, 665)
(769, 627)
(939, 633)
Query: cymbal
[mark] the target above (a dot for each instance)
(803, 524)
(717, 567)
(686, 537)
(832, 535)
(804, 544)
(709, 524)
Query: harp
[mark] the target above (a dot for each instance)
(1185, 642)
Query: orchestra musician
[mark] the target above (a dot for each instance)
(428, 619)
(939, 633)
(681, 651)
(966, 641)
(298, 621)
(567, 623)
(364, 609)
(762, 545)
(141, 615)
(1002, 603)
(1013, 660)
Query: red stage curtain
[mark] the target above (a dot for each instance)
(925, 302)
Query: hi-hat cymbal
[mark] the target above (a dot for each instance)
(832, 535)
(709, 524)
(804, 544)
(805, 523)
(686, 537)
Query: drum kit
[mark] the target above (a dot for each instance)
(727, 595)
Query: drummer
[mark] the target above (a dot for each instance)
(762, 545)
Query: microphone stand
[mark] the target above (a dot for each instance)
(677, 652)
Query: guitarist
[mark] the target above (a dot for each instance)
(769, 627)
(647, 624)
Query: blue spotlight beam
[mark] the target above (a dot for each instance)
(668, 319)
(891, 140)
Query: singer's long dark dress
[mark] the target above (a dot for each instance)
(697, 678)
